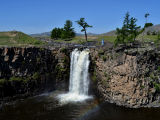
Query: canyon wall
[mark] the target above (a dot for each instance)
(127, 77)
(30, 71)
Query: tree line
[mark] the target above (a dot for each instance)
(126, 34)
(68, 32)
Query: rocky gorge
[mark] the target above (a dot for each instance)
(125, 76)
(31, 71)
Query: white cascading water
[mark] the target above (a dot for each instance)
(79, 81)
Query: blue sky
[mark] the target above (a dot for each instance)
(37, 16)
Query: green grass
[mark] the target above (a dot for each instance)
(148, 37)
(98, 39)
(81, 39)
(18, 39)
(21, 39)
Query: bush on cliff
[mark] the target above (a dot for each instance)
(16, 79)
(36, 76)
(23, 62)
(63, 50)
(101, 52)
(94, 78)
(159, 69)
(157, 86)
(104, 58)
(2, 81)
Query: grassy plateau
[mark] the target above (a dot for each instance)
(20, 39)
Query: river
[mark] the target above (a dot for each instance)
(47, 107)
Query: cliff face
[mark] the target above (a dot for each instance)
(29, 71)
(128, 78)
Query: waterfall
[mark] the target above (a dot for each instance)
(79, 72)
(79, 80)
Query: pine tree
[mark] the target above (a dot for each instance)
(59, 33)
(54, 33)
(133, 29)
(83, 24)
(128, 32)
(68, 32)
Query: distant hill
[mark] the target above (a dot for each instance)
(111, 33)
(46, 34)
(151, 29)
(91, 34)
(17, 38)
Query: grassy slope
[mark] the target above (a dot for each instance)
(18, 39)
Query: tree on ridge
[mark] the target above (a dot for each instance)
(83, 24)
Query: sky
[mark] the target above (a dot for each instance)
(38, 16)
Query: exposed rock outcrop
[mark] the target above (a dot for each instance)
(30, 71)
(130, 78)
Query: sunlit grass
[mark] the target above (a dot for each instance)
(18, 39)
(21, 39)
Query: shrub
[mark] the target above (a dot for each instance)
(159, 69)
(104, 58)
(105, 74)
(94, 78)
(139, 80)
(151, 76)
(2, 81)
(99, 55)
(156, 77)
(15, 79)
(157, 87)
(147, 71)
(63, 50)
(36, 75)
(65, 59)
(101, 52)
(142, 86)
(23, 62)
(109, 78)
